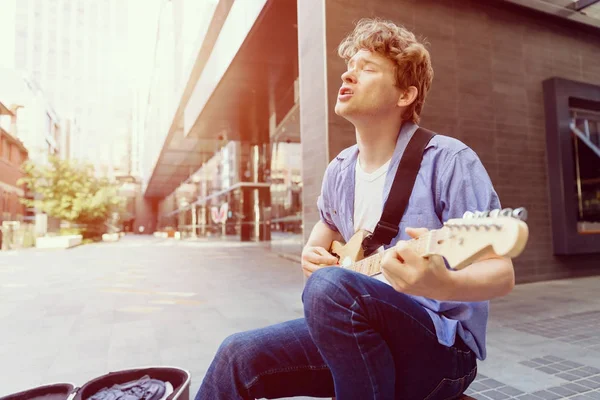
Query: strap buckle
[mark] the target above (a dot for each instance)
(383, 233)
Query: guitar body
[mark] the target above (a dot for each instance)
(350, 252)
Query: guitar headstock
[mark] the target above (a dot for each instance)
(461, 241)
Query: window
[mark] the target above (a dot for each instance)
(586, 162)
(573, 163)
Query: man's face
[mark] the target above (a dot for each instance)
(368, 87)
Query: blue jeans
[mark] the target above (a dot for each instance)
(360, 339)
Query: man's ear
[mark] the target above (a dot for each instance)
(408, 96)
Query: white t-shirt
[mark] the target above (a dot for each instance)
(368, 200)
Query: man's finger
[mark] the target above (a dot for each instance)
(326, 254)
(327, 259)
(309, 268)
(406, 254)
(416, 232)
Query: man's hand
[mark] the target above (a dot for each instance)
(314, 257)
(412, 274)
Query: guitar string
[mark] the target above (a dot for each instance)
(414, 243)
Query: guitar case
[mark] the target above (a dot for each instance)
(179, 378)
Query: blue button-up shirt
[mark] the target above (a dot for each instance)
(451, 180)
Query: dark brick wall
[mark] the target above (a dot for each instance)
(489, 62)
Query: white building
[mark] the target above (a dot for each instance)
(79, 52)
(38, 126)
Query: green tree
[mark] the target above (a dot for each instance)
(71, 192)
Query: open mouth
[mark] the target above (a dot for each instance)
(345, 91)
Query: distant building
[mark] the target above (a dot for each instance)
(12, 154)
(38, 126)
(79, 52)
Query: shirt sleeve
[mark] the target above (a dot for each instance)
(465, 185)
(324, 200)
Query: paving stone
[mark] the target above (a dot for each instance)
(589, 383)
(478, 387)
(591, 370)
(571, 364)
(548, 370)
(491, 383)
(496, 395)
(593, 395)
(553, 358)
(541, 361)
(511, 391)
(568, 376)
(576, 387)
(563, 391)
(559, 367)
(544, 394)
(530, 364)
(581, 372)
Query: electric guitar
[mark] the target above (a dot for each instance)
(460, 241)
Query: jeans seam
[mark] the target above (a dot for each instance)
(287, 369)
(373, 385)
(462, 378)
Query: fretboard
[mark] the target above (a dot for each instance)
(372, 265)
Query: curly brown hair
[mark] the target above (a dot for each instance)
(412, 59)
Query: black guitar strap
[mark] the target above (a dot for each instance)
(388, 226)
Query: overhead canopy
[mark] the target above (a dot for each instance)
(585, 12)
(256, 83)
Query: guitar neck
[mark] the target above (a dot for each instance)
(461, 241)
(372, 265)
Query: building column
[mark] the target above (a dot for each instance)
(146, 214)
(254, 164)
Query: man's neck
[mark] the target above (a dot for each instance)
(376, 142)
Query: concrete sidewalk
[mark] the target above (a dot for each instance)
(68, 316)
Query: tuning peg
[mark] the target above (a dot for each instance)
(482, 214)
(520, 213)
(506, 212)
(494, 213)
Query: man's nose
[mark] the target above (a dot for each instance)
(349, 77)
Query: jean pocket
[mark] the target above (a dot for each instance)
(449, 389)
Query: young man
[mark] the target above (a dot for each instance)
(417, 330)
